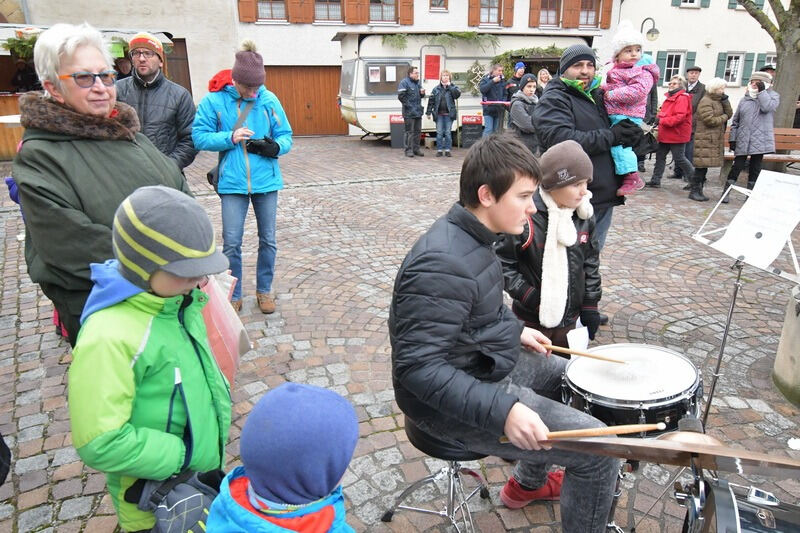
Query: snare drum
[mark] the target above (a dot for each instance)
(656, 385)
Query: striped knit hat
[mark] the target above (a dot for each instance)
(159, 228)
(148, 41)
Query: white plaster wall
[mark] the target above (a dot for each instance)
(706, 31)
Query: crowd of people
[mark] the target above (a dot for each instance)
(100, 182)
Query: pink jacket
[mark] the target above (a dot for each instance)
(626, 88)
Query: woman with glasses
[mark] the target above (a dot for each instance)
(81, 155)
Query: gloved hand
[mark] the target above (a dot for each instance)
(264, 147)
(732, 145)
(626, 133)
(590, 317)
(760, 85)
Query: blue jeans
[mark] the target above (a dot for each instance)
(234, 212)
(602, 223)
(444, 139)
(490, 124)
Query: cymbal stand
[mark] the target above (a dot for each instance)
(670, 485)
(736, 286)
(693, 497)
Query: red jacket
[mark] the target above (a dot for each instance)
(675, 118)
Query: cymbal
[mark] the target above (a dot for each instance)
(680, 448)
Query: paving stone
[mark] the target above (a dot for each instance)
(29, 464)
(35, 518)
(76, 507)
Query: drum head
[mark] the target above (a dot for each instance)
(651, 373)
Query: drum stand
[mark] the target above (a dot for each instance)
(736, 286)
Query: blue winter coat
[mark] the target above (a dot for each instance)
(493, 92)
(232, 512)
(240, 172)
(408, 92)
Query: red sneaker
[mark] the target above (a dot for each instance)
(514, 497)
(630, 184)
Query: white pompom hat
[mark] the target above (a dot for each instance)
(626, 36)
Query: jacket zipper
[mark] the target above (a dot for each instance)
(246, 158)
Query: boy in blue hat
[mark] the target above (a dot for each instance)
(295, 447)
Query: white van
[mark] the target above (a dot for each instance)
(371, 71)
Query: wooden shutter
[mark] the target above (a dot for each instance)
(661, 61)
(761, 60)
(705, 3)
(732, 4)
(760, 4)
(356, 11)
(572, 14)
(535, 13)
(605, 14)
(405, 12)
(474, 13)
(507, 13)
(691, 57)
(676, 2)
(721, 59)
(747, 70)
(300, 11)
(248, 10)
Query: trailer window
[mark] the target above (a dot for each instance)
(382, 78)
(347, 78)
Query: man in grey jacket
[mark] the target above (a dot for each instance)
(165, 109)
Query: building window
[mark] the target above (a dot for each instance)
(689, 3)
(438, 5)
(550, 13)
(328, 10)
(382, 78)
(590, 13)
(673, 66)
(490, 12)
(382, 11)
(733, 68)
(771, 59)
(270, 9)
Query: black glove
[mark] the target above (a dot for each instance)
(590, 317)
(732, 145)
(264, 147)
(760, 85)
(626, 133)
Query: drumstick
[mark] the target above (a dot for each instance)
(599, 432)
(583, 354)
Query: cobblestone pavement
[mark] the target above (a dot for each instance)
(349, 213)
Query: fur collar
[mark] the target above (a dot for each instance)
(46, 114)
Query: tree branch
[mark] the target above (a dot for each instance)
(762, 17)
(777, 8)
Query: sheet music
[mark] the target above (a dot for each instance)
(759, 231)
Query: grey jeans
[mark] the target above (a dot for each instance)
(589, 480)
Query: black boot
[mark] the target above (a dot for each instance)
(727, 185)
(751, 184)
(696, 193)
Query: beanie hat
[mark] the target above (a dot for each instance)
(761, 76)
(519, 65)
(563, 164)
(573, 54)
(160, 228)
(148, 41)
(626, 36)
(297, 442)
(248, 68)
(526, 79)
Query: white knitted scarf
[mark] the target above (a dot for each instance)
(561, 233)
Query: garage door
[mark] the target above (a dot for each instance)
(308, 95)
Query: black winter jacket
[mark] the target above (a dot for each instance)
(494, 92)
(166, 113)
(564, 113)
(450, 93)
(408, 92)
(522, 256)
(452, 336)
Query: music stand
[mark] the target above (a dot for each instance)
(756, 235)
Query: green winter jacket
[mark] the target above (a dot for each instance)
(73, 171)
(127, 413)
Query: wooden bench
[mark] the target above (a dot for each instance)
(785, 139)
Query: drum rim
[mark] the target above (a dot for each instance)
(607, 401)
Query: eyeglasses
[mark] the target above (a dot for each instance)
(84, 79)
(147, 54)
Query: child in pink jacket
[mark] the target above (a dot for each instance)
(626, 88)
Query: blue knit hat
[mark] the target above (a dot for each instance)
(519, 65)
(297, 442)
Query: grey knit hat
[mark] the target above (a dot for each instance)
(563, 164)
(248, 69)
(160, 228)
(761, 76)
(573, 54)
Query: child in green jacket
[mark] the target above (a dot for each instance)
(146, 397)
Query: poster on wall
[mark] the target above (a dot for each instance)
(391, 72)
(374, 74)
(432, 65)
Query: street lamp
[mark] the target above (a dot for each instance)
(652, 34)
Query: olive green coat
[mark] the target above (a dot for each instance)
(712, 116)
